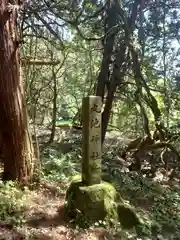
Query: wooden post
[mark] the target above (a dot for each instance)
(91, 119)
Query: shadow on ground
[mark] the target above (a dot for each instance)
(41, 219)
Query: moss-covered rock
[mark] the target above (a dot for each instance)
(127, 216)
(89, 204)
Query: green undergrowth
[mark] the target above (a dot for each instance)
(13, 202)
(57, 166)
(157, 203)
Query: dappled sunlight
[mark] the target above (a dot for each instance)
(156, 200)
(90, 144)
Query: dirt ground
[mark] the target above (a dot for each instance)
(45, 219)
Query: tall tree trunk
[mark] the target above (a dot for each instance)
(17, 143)
(116, 78)
(114, 14)
(54, 113)
(103, 77)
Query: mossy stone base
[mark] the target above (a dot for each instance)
(89, 204)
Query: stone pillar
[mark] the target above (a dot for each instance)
(91, 119)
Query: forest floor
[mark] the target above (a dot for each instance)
(38, 213)
(45, 219)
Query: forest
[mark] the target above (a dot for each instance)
(90, 119)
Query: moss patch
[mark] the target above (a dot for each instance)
(89, 204)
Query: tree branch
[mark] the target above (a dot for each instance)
(28, 61)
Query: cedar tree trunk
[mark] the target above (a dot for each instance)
(18, 152)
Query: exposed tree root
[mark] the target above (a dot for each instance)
(147, 148)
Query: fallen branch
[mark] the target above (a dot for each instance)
(163, 145)
(27, 61)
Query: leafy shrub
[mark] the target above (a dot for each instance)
(157, 204)
(12, 203)
(57, 166)
(166, 211)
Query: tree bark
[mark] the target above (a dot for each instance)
(103, 77)
(114, 15)
(17, 149)
(54, 113)
(115, 79)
